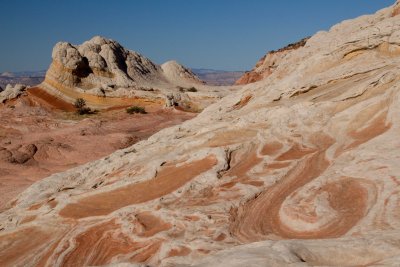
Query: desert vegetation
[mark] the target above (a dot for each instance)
(190, 89)
(136, 109)
(80, 105)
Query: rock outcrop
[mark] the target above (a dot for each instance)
(175, 72)
(41, 135)
(100, 63)
(396, 9)
(11, 92)
(102, 68)
(268, 63)
(298, 169)
(18, 156)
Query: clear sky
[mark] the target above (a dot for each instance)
(218, 34)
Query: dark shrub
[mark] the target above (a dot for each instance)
(192, 89)
(81, 107)
(136, 109)
(80, 103)
(84, 110)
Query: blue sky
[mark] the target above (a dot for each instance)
(218, 34)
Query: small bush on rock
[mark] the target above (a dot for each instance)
(136, 109)
(183, 89)
(192, 89)
(80, 105)
(84, 110)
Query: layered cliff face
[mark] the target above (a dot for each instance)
(268, 63)
(310, 152)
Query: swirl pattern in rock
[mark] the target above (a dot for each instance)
(306, 161)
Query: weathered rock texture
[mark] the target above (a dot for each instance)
(269, 63)
(305, 161)
(175, 72)
(11, 92)
(99, 63)
(37, 139)
(101, 68)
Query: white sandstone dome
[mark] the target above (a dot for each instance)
(176, 72)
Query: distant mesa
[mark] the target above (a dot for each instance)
(218, 77)
(7, 74)
(24, 74)
(30, 78)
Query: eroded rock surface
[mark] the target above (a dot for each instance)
(299, 169)
(100, 69)
(11, 92)
(268, 63)
(38, 139)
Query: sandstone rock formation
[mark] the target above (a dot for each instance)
(396, 9)
(101, 68)
(99, 63)
(299, 169)
(11, 92)
(354, 251)
(268, 63)
(41, 135)
(176, 73)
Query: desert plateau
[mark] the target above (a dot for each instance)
(110, 158)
